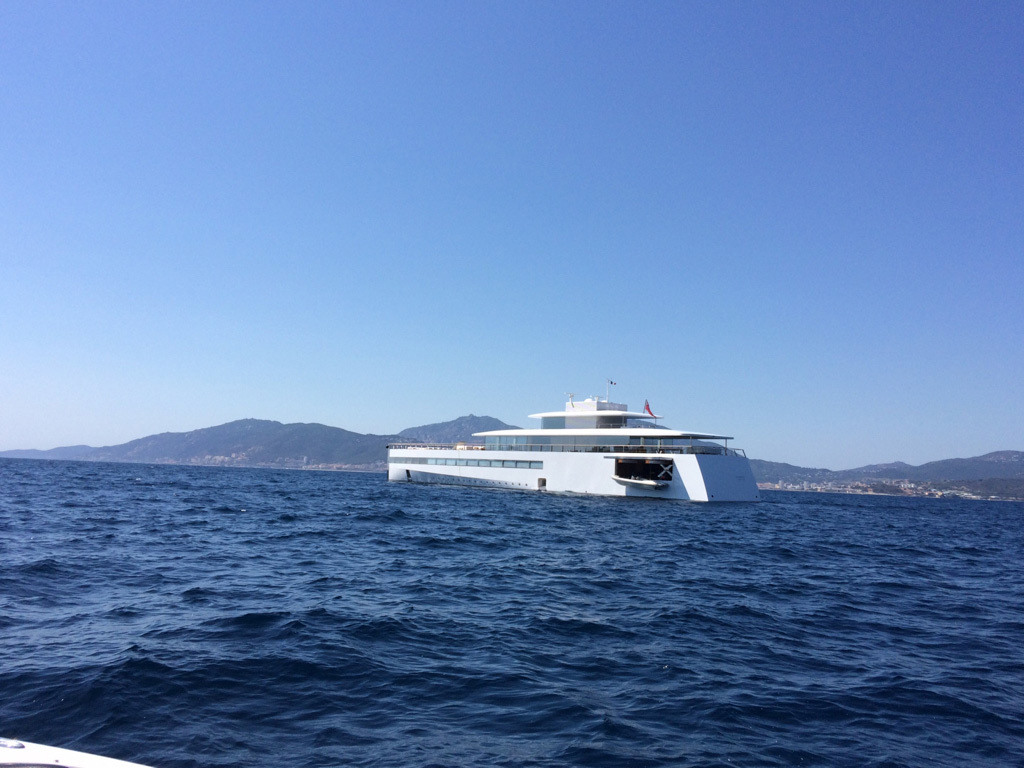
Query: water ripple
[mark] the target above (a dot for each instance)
(196, 616)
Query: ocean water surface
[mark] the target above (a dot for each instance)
(191, 616)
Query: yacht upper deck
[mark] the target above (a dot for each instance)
(596, 425)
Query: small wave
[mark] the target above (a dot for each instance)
(343, 621)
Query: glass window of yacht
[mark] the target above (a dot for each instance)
(506, 441)
(552, 422)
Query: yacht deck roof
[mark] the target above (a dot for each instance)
(649, 432)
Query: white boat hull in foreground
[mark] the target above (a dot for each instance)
(29, 755)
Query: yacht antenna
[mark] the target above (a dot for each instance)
(607, 387)
(571, 396)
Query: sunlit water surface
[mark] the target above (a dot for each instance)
(186, 617)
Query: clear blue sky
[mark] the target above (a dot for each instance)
(801, 224)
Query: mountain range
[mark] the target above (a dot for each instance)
(261, 443)
(999, 464)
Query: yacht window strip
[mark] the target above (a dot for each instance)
(502, 463)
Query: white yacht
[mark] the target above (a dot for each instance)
(593, 447)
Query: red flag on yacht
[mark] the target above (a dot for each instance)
(647, 408)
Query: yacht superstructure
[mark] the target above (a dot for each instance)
(592, 447)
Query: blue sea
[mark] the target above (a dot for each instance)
(195, 616)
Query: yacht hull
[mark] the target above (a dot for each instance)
(694, 476)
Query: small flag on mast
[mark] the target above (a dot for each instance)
(647, 409)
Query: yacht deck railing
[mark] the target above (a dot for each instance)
(706, 450)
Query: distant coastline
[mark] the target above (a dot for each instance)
(273, 445)
(1009, 490)
(996, 475)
